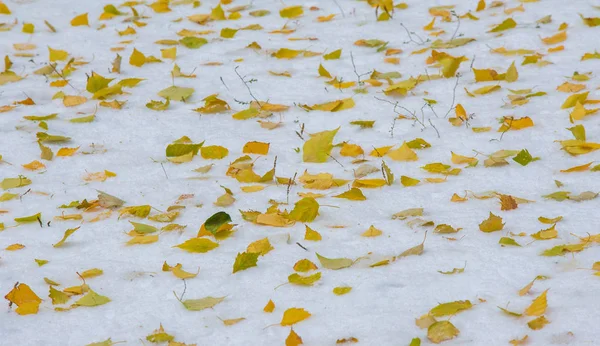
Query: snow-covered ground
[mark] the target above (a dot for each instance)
(385, 300)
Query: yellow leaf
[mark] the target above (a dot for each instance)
(182, 274)
(351, 150)
(492, 224)
(572, 100)
(408, 181)
(354, 194)
(372, 232)
(73, 101)
(65, 236)
(581, 168)
(538, 306)
(327, 18)
(339, 291)
(137, 58)
(228, 32)
(293, 339)
(404, 153)
(560, 37)
(259, 148)
(57, 296)
(27, 301)
(90, 273)
(66, 151)
(505, 25)
(304, 265)
(368, 183)
(261, 246)
(451, 308)
(318, 147)
(269, 307)
(292, 316)
(229, 322)
(441, 331)
(143, 239)
(34, 165)
(3, 8)
(80, 20)
(169, 53)
(291, 12)
(459, 159)
(15, 247)
(214, 152)
(57, 55)
(311, 234)
(252, 188)
(274, 220)
(334, 263)
(336, 54)
(512, 74)
(549, 220)
(28, 28)
(538, 323)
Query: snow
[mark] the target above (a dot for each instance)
(384, 302)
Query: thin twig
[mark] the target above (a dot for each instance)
(435, 128)
(63, 78)
(505, 131)
(410, 36)
(457, 27)
(340, 7)
(222, 81)
(360, 83)
(164, 171)
(247, 87)
(305, 249)
(453, 95)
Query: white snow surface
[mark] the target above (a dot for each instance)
(384, 302)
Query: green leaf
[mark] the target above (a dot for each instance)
(334, 263)
(197, 245)
(85, 119)
(11, 183)
(96, 83)
(107, 342)
(44, 137)
(505, 25)
(558, 195)
(415, 342)
(560, 250)
(176, 93)
(58, 297)
(92, 299)
(523, 157)
(31, 218)
(245, 260)
(506, 241)
(180, 149)
(201, 304)
(213, 223)
(333, 55)
(193, 42)
(578, 132)
(364, 124)
(143, 228)
(41, 117)
(305, 210)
